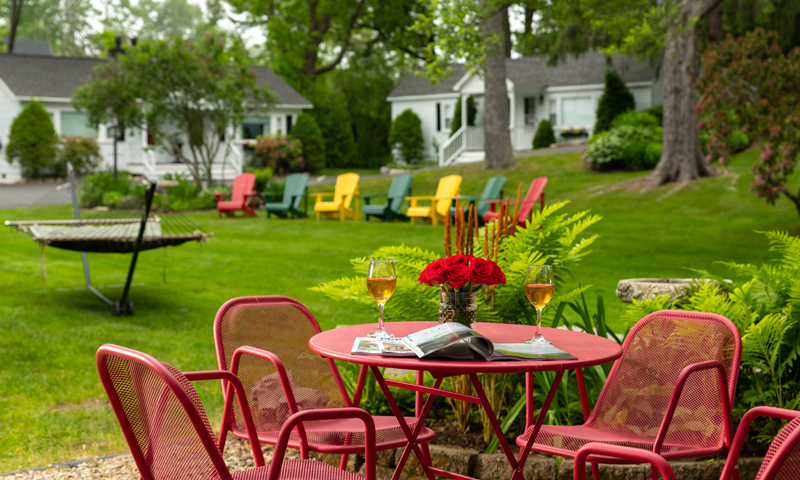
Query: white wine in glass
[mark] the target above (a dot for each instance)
(381, 282)
(540, 286)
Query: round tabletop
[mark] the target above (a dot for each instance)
(590, 349)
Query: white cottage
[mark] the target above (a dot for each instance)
(51, 80)
(566, 94)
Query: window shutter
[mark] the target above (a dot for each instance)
(438, 117)
(288, 124)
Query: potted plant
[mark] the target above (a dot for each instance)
(574, 133)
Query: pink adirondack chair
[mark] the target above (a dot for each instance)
(168, 432)
(536, 192)
(671, 392)
(264, 341)
(241, 193)
(782, 461)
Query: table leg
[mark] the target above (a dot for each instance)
(529, 399)
(411, 436)
(523, 454)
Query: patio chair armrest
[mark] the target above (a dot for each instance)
(627, 453)
(279, 368)
(235, 384)
(268, 195)
(365, 197)
(678, 390)
(743, 430)
(325, 414)
(219, 195)
(318, 196)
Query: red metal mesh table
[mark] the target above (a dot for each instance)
(590, 350)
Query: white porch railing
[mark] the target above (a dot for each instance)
(475, 139)
(522, 137)
(452, 148)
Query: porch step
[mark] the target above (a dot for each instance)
(470, 157)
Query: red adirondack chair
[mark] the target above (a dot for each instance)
(168, 432)
(671, 392)
(536, 192)
(264, 341)
(241, 194)
(782, 461)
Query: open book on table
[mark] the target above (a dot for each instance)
(456, 342)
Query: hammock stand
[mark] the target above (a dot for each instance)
(123, 235)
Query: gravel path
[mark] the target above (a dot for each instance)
(238, 456)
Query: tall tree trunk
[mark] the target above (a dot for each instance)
(681, 157)
(497, 144)
(16, 14)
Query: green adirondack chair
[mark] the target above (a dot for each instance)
(492, 191)
(401, 187)
(293, 192)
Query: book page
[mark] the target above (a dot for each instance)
(435, 338)
(528, 351)
(365, 346)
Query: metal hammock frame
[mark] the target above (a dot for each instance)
(107, 236)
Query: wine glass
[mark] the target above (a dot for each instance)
(539, 288)
(381, 282)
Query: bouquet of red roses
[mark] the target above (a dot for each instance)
(462, 273)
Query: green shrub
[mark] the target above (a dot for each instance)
(263, 177)
(309, 134)
(625, 148)
(544, 135)
(337, 132)
(472, 111)
(280, 153)
(83, 153)
(737, 141)
(616, 99)
(633, 118)
(406, 136)
(111, 199)
(32, 141)
(658, 112)
(94, 187)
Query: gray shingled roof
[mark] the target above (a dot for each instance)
(38, 76)
(588, 69)
(287, 94)
(415, 84)
(25, 46)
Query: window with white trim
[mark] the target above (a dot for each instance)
(77, 124)
(577, 111)
(551, 108)
(530, 110)
(448, 117)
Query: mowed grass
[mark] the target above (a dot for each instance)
(52, 407)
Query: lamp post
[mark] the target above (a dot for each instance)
(114, 132)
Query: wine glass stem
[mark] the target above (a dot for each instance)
(380, 317)
(539, 322)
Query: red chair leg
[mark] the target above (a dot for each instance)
(343, 462)
(595, 472)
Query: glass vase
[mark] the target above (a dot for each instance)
(461, 307)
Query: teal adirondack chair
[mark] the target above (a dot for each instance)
(492, 191)
(293, 192)
(400, 189)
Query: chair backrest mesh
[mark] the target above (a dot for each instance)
(789, 469)
(295, 188)
(346, 188)
(242, 185)
(447, 189)
(165, 436)
(398, 191)
(282, 326)
(491, 192)
(533, 195)
(635, 397)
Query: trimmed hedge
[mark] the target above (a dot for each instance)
(544, 135)
(32, 140)
(406, 136)
(625, 148)
(309, 134)
(616, 99)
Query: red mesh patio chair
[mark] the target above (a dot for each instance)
(782, 461)
(671, 392)
(169, 435)
(264, 342)
(241, 193)
(535, 193)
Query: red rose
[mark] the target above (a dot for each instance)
(458, 275)
(459, 259)
(498, 277)
(481, 271)
(423, 277)
(437, 271)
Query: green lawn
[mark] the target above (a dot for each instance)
(52, 407)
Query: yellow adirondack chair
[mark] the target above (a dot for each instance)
(448, 188)
(346, 189)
